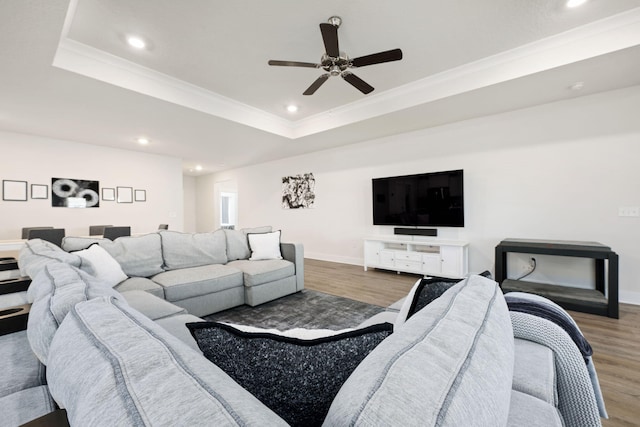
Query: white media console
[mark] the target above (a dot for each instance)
(430, 257)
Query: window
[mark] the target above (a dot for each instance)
(228, 209)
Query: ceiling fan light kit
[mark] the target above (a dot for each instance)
(337, 63)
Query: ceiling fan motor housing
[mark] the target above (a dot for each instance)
(335, 66)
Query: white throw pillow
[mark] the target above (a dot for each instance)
(97, 262)
(265, 246)
(406, 306)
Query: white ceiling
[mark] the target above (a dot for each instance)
(202, 89)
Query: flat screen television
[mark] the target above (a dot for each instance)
(430, 199)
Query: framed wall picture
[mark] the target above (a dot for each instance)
(140, 195)
(75, 193)
(125, 194)
(14, 190)
(39, 191)
(298, 192)
(109, 194)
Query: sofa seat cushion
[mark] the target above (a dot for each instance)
(151, 306)
(129, 371)
(176, 326)
(139, 256)
(26, 405)
(184, 250)
(530, 411)
(19, 367)
(140, 284)
(534, 371)
(257, 273)
(450, 363)
(59, 287)
(197, 281)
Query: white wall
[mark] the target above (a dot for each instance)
(37, 160)
(189, 186)
(558, 171)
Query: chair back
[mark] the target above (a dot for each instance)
(163, 227)
(97, 230)
(26, 230)
(53, 235)
(114, 232)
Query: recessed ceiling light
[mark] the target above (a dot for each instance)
(198, 168)
(575, 3)
(292, 108)
(137, 42)
(143, 141)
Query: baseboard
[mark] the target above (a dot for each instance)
(628, 297)
(334, 258)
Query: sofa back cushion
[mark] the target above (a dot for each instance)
(37, 253)
(72, 243)
(237, 243)
(129, 371)
(184, 250)
(56, 290)
(139, 256)
(452, 362)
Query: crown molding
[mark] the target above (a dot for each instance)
(598, 38)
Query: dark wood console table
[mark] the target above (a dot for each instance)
(584, 300)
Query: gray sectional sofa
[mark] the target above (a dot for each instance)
(201, 272)
(124, 357)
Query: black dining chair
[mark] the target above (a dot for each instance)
(113, 233)
(26, 230)
(98, 230)
(53, 235)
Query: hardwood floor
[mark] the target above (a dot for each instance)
(615, 342)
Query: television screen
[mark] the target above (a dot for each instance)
(429, 199)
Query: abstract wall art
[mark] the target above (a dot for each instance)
(298, 192)
(75, 193)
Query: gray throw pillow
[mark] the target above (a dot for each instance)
(296, 378)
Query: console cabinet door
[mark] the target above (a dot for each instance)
(387, 258)
(451, 260)
(431, 264)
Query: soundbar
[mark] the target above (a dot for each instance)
(416, 231)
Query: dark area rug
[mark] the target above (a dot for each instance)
(305, 309)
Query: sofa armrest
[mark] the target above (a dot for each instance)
(14, 319)
(294, 252)
(18, 284)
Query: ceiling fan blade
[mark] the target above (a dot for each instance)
(330, 38)
(357, 82)
(293, 64)
(378, 58)
(315, 85)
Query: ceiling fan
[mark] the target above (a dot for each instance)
(337, 63)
